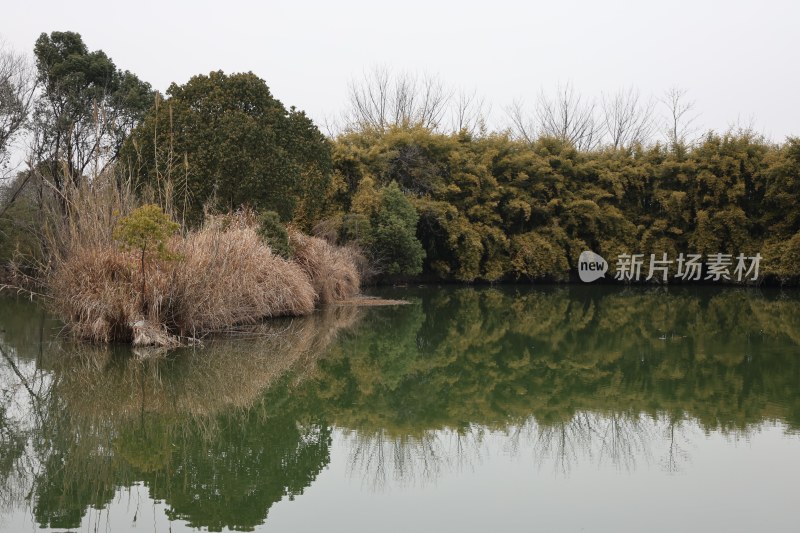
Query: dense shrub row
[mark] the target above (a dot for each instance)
(494, 208)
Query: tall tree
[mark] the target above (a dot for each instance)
(86, 109)
(224, 140)
(17, 88)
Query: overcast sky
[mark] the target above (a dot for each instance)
(739, 61)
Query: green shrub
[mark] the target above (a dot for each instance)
(274, 234)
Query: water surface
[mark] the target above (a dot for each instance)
(471, 409)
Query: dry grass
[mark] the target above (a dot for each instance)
(333, 269)
(230, 277)
(92, 292)
(224, 276)
(221, 279)
(87, 276)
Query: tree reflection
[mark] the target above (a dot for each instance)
(615, 378)
(675, 435)
(380, 456)
(610, 378)
(219, 434)
(563, 441)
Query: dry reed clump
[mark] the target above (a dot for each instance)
(229, 277)
(220, 276)
(98, 294)
(92, 292)
(333, 270)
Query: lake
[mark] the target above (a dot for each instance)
(469, 409)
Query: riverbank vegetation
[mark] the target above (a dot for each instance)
(411, 185)
(137, 278)
(497, 208)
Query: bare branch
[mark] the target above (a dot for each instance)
(469, 113)
(381, 100)
(627, 119)
(569, 117)
(17, 89)
(522, 125)
(680, 121)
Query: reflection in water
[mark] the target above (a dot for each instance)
(380, 457)
(413, 392)
(619, 439)
(213, 431)
(611, 378)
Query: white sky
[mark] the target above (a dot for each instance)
(738, 60)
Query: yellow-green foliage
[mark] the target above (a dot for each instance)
(146, 229)
(494, 207)
(534, 257)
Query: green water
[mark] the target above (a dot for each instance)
(470, 409)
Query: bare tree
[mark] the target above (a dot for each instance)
(569, 117)
(380, 456)
(747, 127)
(628, 120)
(17, 89)
(680, 120)
(565, 115)
(381, 100)
(522, 123)
(673, 434)
(468, 113)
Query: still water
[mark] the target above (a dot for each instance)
(470, 409)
